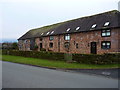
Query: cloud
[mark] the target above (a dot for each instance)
(59, 0)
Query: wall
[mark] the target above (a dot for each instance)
(45, 43)
(24, 45)
(84, 40)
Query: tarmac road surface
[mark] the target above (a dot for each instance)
(24, 76)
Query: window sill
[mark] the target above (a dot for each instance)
(105, 48)
(105, 36)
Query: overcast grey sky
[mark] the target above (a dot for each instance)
(19, 16)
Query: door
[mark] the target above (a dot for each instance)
(40, 46)
(32, 43)
(93, 48)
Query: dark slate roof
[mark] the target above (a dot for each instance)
(85, 24)
(38, 31)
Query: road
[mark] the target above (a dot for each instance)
(24, 76)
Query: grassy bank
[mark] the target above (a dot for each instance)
(55, 64)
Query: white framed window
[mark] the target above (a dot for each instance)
(77, 28)
(67, 37)
(94, 25)
(107, 23)
(106, 33)
(68, 30)
(105, 44)
(51, 38)
(47, 33)
(41, 33)
(52, 32)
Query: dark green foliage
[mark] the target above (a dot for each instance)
(97, 59)
(10, 46)
(35, 47)
(42, 49)
(79, 58)
(68, 57)
(4, 51)
(15, 45)
(36, 54)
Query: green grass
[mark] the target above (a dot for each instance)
(54, 64)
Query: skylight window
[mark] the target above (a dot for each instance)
(77, 28)
(68, 29)
(52, 32)
(107, 23)
(47, 33)
(94, 25)
(41, 33)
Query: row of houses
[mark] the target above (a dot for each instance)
(96, 34)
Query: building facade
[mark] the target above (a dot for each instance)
(95, 34)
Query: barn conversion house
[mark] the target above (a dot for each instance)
(95, 34)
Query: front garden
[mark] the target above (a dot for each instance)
(54, 64)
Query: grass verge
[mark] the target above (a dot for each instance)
(54, 64)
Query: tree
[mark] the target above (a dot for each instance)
(15, 45)
(35, 47)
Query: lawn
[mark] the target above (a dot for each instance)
(53, 64)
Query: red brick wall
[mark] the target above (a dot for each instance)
(25, 45)
(45, 43)
(84, 40)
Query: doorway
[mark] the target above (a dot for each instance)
(41, 46)
(93, 48)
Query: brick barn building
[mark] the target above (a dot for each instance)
(95, 34)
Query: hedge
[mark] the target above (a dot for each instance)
(35, 54)
(79, 58)
(97, 59)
